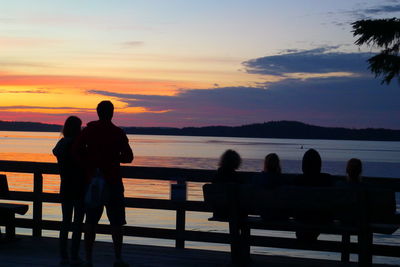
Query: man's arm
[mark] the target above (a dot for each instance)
(126, 154)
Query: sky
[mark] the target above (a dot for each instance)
(177, 63)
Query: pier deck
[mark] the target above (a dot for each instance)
(36, 251)
(43, 252)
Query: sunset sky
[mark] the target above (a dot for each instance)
(193, 63)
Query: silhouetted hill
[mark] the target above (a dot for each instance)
(29, 126)
(276, 129)
(273, 129)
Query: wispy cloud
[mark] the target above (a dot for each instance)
(133, 44)
(26, 91)
(366, 11)
(22, 63)
(37, 107)
(386, 9)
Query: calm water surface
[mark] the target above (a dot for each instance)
(380, 159)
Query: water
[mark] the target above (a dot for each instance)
(381, 159)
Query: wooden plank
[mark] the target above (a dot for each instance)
(28, 167)
(43, 252)
(174, 174)
(163, 173)
(223, 238)
(23, 196)
(144, 203)
(14, 208)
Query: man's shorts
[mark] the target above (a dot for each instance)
(114, 201)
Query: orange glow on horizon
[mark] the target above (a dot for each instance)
(58, 84)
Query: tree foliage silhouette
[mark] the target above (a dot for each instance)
(385, 34)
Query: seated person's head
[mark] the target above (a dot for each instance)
(354, 170)
(272, 164)
(230, 160)
(311, 164)
(105, 110)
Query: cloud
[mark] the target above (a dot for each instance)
(27, 91)
(388, 8)
(336, 101)
(133, 44)
(17, 63)
(22, 107)
(364, 10)
(318, 60)
(383, 9)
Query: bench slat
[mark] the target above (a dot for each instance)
(13, 207)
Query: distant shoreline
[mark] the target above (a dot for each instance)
(273, 129)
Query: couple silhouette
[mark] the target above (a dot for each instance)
(89, 163)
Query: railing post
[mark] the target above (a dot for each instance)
(178, 194)
(345, 255)
(37, 204)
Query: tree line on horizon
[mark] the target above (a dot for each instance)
(272, 129)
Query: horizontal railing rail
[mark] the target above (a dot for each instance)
(179, 233)
(166, 174)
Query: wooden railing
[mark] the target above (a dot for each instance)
(179, 234)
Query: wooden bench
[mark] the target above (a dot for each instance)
(351, 211)
(8, 210)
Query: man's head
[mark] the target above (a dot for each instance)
(105, 110)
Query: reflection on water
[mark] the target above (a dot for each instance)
(380, 159)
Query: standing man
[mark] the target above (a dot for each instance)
(101, 147)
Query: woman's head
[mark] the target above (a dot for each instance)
(272, 164)
(311, 162)
(354, 170)
(230, 160)
(72, 127)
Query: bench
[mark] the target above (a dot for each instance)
(351, 211)
(8, 210)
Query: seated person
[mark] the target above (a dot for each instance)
(226, 174)
(385, 201)
(311, 167)
(312, 177)
(230, 161)
(354, 170)
(269, 177)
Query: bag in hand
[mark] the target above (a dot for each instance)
(95, 195)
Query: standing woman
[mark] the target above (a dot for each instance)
(71, 191)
